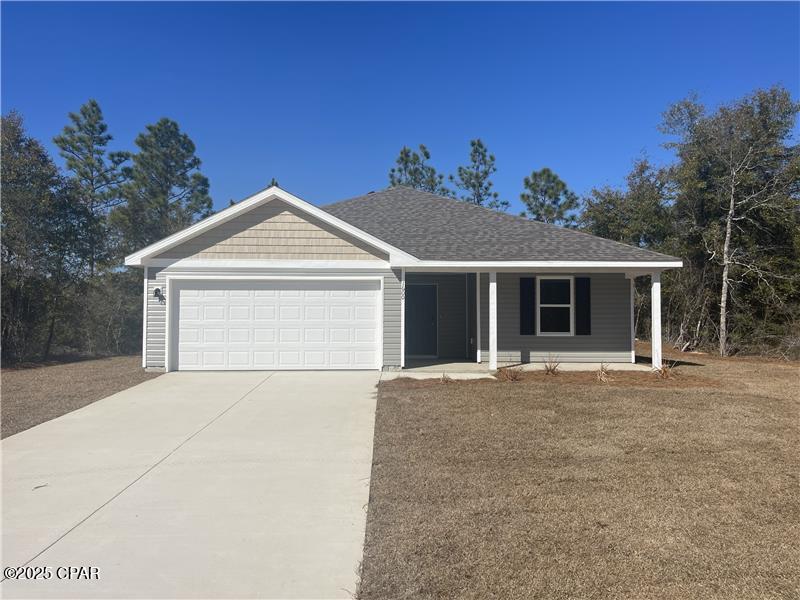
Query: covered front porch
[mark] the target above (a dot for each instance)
(476, 321)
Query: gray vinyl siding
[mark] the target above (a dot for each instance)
(156, 311)
(452, 310)
(156, 319)
(610, 340)
(391, 319)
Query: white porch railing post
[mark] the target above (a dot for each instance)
(478, 317)
(493, 321)
(655, 318)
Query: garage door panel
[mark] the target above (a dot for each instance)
(365, 313)
(190, 313)
(314, 359)
(263, 335)
(189, 359)
(278, 325)
(340, 335)
(288, 359)
(213, 335)
(190, 334)
(264, 313)
(314, 335)
(239, 336)
(213, 358)
(341, 313)
(313, 313)
(289, 312)
(213, 312)
(263, 359)
(288, 335)
(239, 313)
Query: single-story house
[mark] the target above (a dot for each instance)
(378, 281)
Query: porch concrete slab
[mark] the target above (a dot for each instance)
(388, 376)
(472, 368)
(594, 366)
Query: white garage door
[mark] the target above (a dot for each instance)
(278, 325)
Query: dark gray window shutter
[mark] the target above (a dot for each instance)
(527, 306)
(583, 306)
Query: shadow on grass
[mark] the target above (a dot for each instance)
(646, 360)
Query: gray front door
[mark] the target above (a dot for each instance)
(421, 325)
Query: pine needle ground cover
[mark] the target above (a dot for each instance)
(567, 487)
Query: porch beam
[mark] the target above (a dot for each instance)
(655, 318)
(493, 320)
(478, 317)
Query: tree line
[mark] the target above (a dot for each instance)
(65, 232)
(546, 197)
(729, 206)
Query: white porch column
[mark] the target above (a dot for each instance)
(478, 316)
(632, 279)
(402, 318)
(493, 321)
(655, 317)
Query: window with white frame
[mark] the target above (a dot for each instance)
(555, 305)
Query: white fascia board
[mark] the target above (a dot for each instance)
(543, 265)
(262, 197)
(200, 277)
(201, 265)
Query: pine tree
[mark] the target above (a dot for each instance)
(97, 174)
(474, 179)
(165, 191)
(413, 171)
(548, 199)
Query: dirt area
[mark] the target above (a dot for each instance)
(565, 487)
(33, 395)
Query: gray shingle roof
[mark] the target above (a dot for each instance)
(431, 227)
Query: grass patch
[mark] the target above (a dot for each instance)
(566, 487)
(33, 395)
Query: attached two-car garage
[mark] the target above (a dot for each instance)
(272, 324)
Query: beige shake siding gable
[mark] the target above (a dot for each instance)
(274, 231)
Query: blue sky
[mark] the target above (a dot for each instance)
(322, 96)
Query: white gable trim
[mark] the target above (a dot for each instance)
(271, 193)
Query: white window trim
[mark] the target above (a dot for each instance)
(539, 331)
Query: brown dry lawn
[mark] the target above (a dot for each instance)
(564, 487)
(34, 395)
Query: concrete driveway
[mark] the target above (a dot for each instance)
(196, 485)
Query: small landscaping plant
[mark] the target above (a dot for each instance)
(552, 365)
(603, 374)
(667, 371)
(509, 374)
